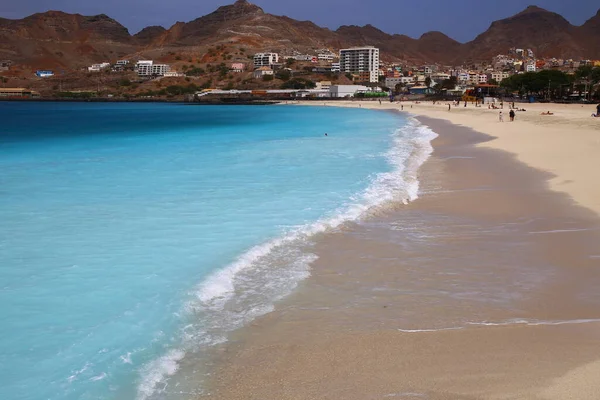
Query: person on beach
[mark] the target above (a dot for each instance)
(449, 107)
(597, 110)
(511, 114)
(501, 117)
(546, 113)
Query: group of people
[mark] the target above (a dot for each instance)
(511, 115)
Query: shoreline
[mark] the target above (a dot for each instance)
(330, 339)
(566, 144)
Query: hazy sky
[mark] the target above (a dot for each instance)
(460, 19)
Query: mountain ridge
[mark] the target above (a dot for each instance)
(55, 38)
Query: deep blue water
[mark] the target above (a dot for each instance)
(132, 235)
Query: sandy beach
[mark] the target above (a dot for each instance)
(483, 288)
(566, 144)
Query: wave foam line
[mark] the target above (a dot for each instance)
(246, 289)
(430, 330)
(510, 322)
(535, 322)
(561, 231)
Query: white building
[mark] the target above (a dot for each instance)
(123, 62)
(530, 68)
(148, 68)
(335, 67)
(463, 77)
(359, 60)
(498, 76)
(392, 82)
(173, 74)
(482, 78)
(303, 57)
(440, 76)
(265, 59)
(323, 85)
(262, 71)
(347, 90)
(326, 56)
(98, 67)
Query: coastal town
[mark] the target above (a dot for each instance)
(326, 73)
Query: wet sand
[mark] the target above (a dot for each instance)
(484, 288)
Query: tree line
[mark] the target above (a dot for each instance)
(553, 84)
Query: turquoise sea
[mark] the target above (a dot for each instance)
(133, 236)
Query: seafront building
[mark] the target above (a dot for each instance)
(18, 93)
(363, 61)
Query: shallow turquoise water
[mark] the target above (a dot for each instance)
(134, 234)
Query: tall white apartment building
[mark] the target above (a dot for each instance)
(361, 60)
(265, 59)
(148, 68)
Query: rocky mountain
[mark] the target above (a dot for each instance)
(149, 34)
(546, 33)
(589, 34)
(246, 23)
(55, 39)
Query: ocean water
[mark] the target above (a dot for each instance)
(133, 236)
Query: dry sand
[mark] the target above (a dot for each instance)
(484, 288)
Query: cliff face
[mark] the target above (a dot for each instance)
(56, 39)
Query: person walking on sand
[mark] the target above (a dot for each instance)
(501, 117)
(598, 110)
(511, 114)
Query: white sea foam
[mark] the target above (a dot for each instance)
(561, 231)
(508, 322)
(127, 358)
(98, 377)
(535, 322)
(429, 330)
(76, 374)
(248, 288)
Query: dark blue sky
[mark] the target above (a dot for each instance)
(460, 19)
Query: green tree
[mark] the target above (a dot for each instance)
(283, 75)
(449, 84)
